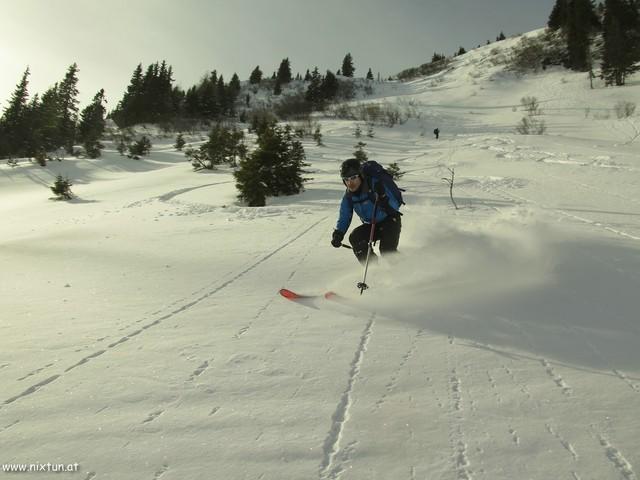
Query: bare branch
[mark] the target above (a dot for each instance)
(450, 182)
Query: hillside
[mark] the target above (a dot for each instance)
(143, 337)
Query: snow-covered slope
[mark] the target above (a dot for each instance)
(143, 338)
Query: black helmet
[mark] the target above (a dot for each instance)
(350, 167)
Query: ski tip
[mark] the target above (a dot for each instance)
(289, 294)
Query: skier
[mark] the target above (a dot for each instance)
(436, 132)
(366, 196)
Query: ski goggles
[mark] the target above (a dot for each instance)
(350, 178)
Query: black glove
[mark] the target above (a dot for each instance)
(336, 238)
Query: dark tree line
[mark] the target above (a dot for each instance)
(619, 22)
(33, 127)
(152, 98)
(321, 89)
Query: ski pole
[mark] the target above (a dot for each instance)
(363, 285)
(344, 245)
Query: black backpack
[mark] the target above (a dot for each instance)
(372, 169)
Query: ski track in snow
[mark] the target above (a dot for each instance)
(534, 405)
(35, 372)
(200, 370)
(393, 381)
(160, 473)
(7, 427)
(519, 200)
(613, 454)
(247, 327)
(567, 445)
(455, 417)
(179, 310)
(622, 465)
(334, 459)
(203, 367)
(513, 198)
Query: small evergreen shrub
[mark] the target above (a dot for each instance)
(317, 136)
(180, 142)
(140, 148)
(360, 153)
(394, 170)
(62, 188)
(225, 145)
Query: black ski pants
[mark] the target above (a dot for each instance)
(386, 232)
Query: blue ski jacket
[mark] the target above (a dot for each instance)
(362, 202)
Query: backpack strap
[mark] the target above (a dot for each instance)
(384, 205)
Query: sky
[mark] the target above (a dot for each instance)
(108, 38)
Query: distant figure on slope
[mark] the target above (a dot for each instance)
(436, 132)
(370, 191)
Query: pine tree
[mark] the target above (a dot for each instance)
(369, 75)
(359, 152)
(180, 142)
(178, 97)
(224, 146)
(234, 86)
(249, 183)
(621, 41)
(275, 168)
(461, 51)
(13, 123)
(207, 96)
(314, 90)
(284, 72)
(329, 86)
(347, 66)
(559, 15)
(151, 97)
(129, 109)
(307, 77)
(277, 89)
(501, 37)
(578, 28)
(34, 141)
(140, 148)
(166, 107)
(256, 76)
(192, 105)
(92, 125)
(49, 117)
